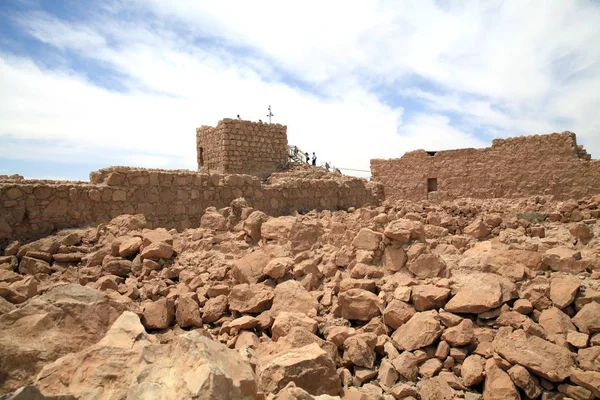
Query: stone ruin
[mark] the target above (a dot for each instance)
(217, 285)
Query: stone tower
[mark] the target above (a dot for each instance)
(241, 147)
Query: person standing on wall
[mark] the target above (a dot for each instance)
(314, 160)
(307, 158)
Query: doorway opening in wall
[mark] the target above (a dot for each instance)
(201, 156)
(431, 185)
(431, 153)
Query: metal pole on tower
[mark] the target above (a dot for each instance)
(270, 114)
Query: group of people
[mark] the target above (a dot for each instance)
(314, 161)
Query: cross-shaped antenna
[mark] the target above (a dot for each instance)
(270, 114)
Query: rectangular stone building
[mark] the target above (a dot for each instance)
(242, 147)
(550, 164)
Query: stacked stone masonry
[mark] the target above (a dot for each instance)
(515, 167)
(171, 199)
(242, 147)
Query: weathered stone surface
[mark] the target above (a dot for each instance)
(563, 291)
(404, 230)
(394, 258)
(581, 231)
(32, 266)
(278, 267)
(157, 250)
(427, 266)
(554, 321)
(407, 365)
(563, 259)
(157, 235)
(214, 308)
(360, 350)
(420, 331)
(498, 385)
(130, 247)
(189, 366)
(589, 359)
(253, 298)
(428, 297)
(459, 335)
(309, 367)
(285, 321)
(366, 239)
(588, 379)
(588, 318)
(545, 359)
(252, 224)
(477, 229)
(359, 304)
(249, 269)
(159, 314)
(436, 388)
(480, 297)
(188, 311)
(472, 370)
(397, 313)
(523, 379)
(291, 296)
(63, 320)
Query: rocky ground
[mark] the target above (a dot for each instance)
(495, 299)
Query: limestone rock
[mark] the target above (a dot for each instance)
(477, 229)
(397, 313)
(130, 247)
(360, 350)
(459, 335)
(563, 259)
(249, 269)
(291, 296)
(159, 314)
(436, 388)
(554, 321)
(472, 370)
(253, 298)
(214, 308)
(278, 267)
(588, 318)
(285, 321)
(188, 311)
(33, 266)
(405, 230)
(428, 297)
(420, 331)
(552, 362)
(366, 239)
(252, 224)
(189, 366)
(157, 250)
(588, 379)
(427, 266)
(523, 379)
(498, 385)
(581, 231)
(359, 304)
(406, 365)
(309, 367)
(394, 258)
(563, 291)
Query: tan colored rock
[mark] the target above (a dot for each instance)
(338, 334)
(589, 359)
(157, 235)
(117, 266)
(359, 349)
(477, 229)
(397, 313)
(588, 318)
(420, 331)
(498, 385)
(459, 335)
(250, 268)
(359, 304)
(309, 367)
(214, 308)
(252, 225)
(405, 230)
(253, 298)
(387, 375)
(291, 296)
(578, 339)
(472, 370)
(394, 258)
(563, 291)
(188, 366)
(213, 220)
(33, 266)
(428, 297)
(157, 250)
(523, 379)
(188, 311)
(9, 262)
(303, 236)
(427, 266)
(563, 259)
(581, 231)
(480, 297)
(545, 359)
(278, 267)
(554, 321)
(407, 365)
(575, 392)
(436, 388)
(130, 247)
(523, 306)
(159, 314)
(366, 239)
(430, 368)
(277, 228)
(588, 379)
(285, 321)
(65, 319)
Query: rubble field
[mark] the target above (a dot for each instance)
(467, 299)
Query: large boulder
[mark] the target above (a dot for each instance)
(64, 320)
(427, 266)
(366, 239)
(563, 259)
(548, 360)
(498, 385)
(254, 298)
(188, 366)
(309, 367)
(249, 268)
(291, 296)
(481, 293)
(404, 230)
(588, 318)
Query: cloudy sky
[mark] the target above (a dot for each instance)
(87, 84)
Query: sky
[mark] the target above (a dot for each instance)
(88, 84)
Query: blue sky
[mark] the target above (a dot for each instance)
(87, 84)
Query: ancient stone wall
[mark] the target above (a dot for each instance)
(171, 199)
(242, 147)
(516, 167)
